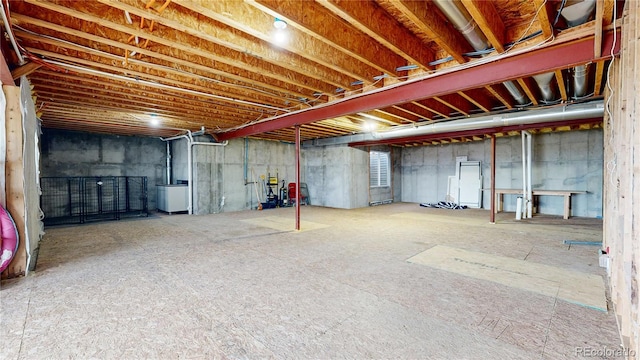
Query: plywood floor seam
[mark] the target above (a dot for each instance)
(218, 286)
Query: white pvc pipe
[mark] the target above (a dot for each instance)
(14, 44)
(190, 145)
(529, 186)
(168, 163)
(189, 185)
(525, 193)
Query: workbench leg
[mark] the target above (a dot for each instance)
(567, 206)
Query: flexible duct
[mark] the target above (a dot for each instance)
(560, 113)
(458, 15)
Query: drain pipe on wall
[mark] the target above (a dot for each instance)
(527, 191)
(189, 185)
(168, 163)
(190, 144)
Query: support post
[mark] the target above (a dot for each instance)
(524, 173)
(298, 197)
(529, 179)
(492, 217)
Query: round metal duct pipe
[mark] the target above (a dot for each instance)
(458, 15)
(463, 22)
(560, 113)
(544, 83)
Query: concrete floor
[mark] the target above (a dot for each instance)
(220, 286)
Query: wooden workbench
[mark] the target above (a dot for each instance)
(565, 193)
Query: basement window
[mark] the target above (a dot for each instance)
(379, 174)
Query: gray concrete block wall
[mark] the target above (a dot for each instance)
(71, 153)
(219, 171)
(386, 193)
(179, 163)
(561, 161)
(337, 176)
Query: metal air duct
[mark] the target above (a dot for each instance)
(458, 15)
(560, 113)
(544, 83)
(577, 14)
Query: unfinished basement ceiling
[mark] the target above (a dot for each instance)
(116, 66)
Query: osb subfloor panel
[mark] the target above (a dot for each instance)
(216, 286)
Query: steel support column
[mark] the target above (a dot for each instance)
(298, 197)
(492, 217)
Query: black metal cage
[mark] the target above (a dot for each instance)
(75, 200)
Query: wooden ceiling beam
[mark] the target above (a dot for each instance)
(607, 13)
(597, 43)
(55, 87)
(166, 96)
(80, 106)
(478, 98)
(372, 20)
(530, 88)
(148, 69)
(393, 120)
(256, 23)
(544, 13)
(456, 102)
(112, 129)
(93, 63)
(599, 78)
(198, 62)
(192, 44)
(25, 69)
(561, 85)
(501, 93)
(403, 116)
(434, 106)
(124, 105)
(419, 111)
(488, 20)
(333, 31)
(426, 16)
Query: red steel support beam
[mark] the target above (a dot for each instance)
(544, 59)
(478, 132)
(5, 74)
(298, 197)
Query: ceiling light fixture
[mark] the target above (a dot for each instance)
(154, 121)
(369, 126)
(279, 24)
(280, 37)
